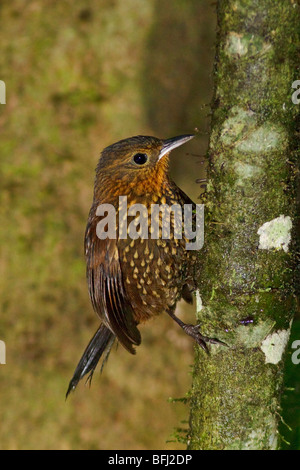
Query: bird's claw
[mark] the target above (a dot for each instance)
(193, 331)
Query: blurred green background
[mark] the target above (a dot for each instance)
(80, 76)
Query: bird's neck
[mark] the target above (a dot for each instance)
(154, 182)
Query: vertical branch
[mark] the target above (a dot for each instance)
(246, 279)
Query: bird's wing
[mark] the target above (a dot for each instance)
(184, 198)
(106, 287)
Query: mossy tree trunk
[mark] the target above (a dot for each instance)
(246, 295)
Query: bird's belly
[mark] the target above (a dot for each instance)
(152, 274)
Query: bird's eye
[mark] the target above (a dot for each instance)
(140, 158)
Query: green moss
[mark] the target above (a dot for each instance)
(233, 408)
(246, 281)
(264, 139)
(246, 171)
(237, 45)
(239, 122)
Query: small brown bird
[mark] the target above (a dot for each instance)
(131, 280)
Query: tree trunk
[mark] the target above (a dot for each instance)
(246, 281)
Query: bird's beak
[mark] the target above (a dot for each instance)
(172, 143)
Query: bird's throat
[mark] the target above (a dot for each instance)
(149, 181)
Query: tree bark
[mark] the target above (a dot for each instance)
(246, 281)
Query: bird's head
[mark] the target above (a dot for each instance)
(136, 165)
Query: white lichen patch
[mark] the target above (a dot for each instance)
(245, 171)
(266, 138)
(252, 335)
(273, 345)
(237, 44)
(239, 122)
(199, 304)
(257, 436)
(275, 233)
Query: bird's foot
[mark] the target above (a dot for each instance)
(193, 331)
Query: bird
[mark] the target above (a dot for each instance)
(131, 280)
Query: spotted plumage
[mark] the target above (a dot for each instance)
(132, 280)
